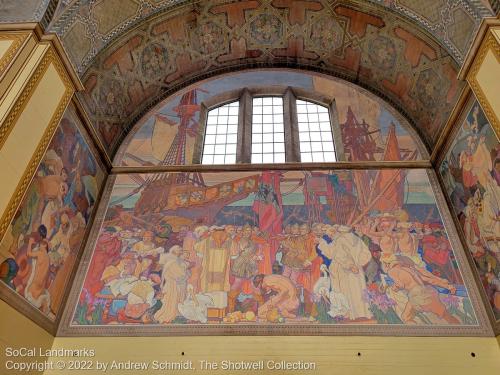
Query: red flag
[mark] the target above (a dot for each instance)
(268, 203)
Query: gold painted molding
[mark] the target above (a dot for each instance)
(17, 39)
(441, 144)
(49, 58)
(26, 95)
(490, 44)
(486, 24)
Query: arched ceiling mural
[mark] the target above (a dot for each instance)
(97, 22)
(365, 43)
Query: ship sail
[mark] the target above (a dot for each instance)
(164, 132)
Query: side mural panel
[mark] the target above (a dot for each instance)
(471, 174)
(273, 247)
(39, 250)
(168, 133)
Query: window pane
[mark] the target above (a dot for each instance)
(222, 129)
(256, 158)
(325, 127)
(279, 147)
(330, 156)
(233, 111)
(314, 126)
(317, 157)
(267, 101)
(267, 119)
(224, 110)
(212, 120)
(207, 159)
(267, 158)
(221, 135)
(315, 136)
(268, 135)
(316, 146)
(230, 159)
(324, 117)
(267, 110)
(220, 139)
(315, 133)
(305, 147)
(209, 139)
(279, 137)
(279, 158)
(326, 137)
(219, 159)
(257, 148)
(220, 150)
(209, 149)
(306, 157)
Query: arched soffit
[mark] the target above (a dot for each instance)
(93, 24)
(28, 11)
(153, 137)
(364, 43)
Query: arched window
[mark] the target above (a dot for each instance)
(268, 129)
(221, 135)
(315, 133)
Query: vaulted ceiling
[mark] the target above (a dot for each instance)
(133, 53)
(97, 22)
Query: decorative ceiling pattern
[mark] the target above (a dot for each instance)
(363, 43)
(27, 11)
(99, 22)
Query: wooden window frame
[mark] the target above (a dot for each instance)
(245, 97)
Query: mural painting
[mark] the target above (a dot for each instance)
(365, 122)
(471, 175)
(309, 247)
(40, 247)
(376, 48)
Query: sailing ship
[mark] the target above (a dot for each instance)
(350, 196)
(182, 194)
(345, 196)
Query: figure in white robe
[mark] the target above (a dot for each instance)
(173, 284)
(348, 254)
(195, 306)
(323, 289)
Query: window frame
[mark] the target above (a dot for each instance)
(292, 144)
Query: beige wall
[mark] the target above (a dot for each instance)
(30, 109)
(484, 75)
(332, 355)
(17, 331)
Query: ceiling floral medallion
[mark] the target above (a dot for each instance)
(382, 53)
(207, 38)
(111, 94)
(327, 34)
(154, 60)
(429, 86)
(266, 29)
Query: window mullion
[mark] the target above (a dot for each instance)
(336, 131)
(291, 127)
(243, 153)
(200, 138)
